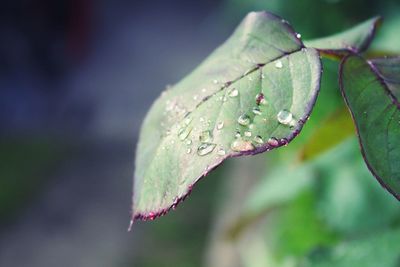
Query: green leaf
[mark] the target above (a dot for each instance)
(260, 73)
(326, 135)
(281, 185)
(349, 195)
(376, 250)
(355, 40)
(371, 90)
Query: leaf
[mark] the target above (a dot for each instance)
(281, 186)
(348, 195)
(355, 40)
(371, 91)
(261, 71)
(376, 250)
(326, 135)
(350, 212)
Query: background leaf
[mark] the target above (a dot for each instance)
(254, 93)
(326, 135)
(371, 93)
(355, 40)
(377, 250)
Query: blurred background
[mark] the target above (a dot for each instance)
(76, 80)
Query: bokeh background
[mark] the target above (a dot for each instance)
(76, 80)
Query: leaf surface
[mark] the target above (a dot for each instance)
(355, 40)
(371, 91)
(252, 94)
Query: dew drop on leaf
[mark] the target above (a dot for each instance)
(233, 92)
(284, 141)
(256, 111)
(278, 64)
(258, 139)
(151, 216)
(238, 135)
(205, 137)
(259, 98)
(220, 125)
(244, 120)
(247, 134)
(284, 117)
(273, 142)
(221, 152)
(183, 133)
(188, 120)
(241, 145)
(205, 148)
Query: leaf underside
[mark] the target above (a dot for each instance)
(252, 94)
(371, 90)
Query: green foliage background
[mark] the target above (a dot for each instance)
(336, 213)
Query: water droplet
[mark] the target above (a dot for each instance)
(221, 152)
(298, 35)
(205, 137)
(188, 151)
(247, 133)
(175, 202)
(183, 133)
(258, 139)
(244, 120)
(284, 141)
(167, 132)
(195, 97)
(188, 142)
(205, 148)
(188, 120)
(273, 142)
(151, 216)
(241, 145)
(284, 117)
(262, 76)
(203, 90)
(278, 64)
(249, 78)
(256, 111)
(172, 142)
(233, 92)
(293, 124)
(251, 126)
(202, 119)
(215, 81)
(220, 125)
(238, 135)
